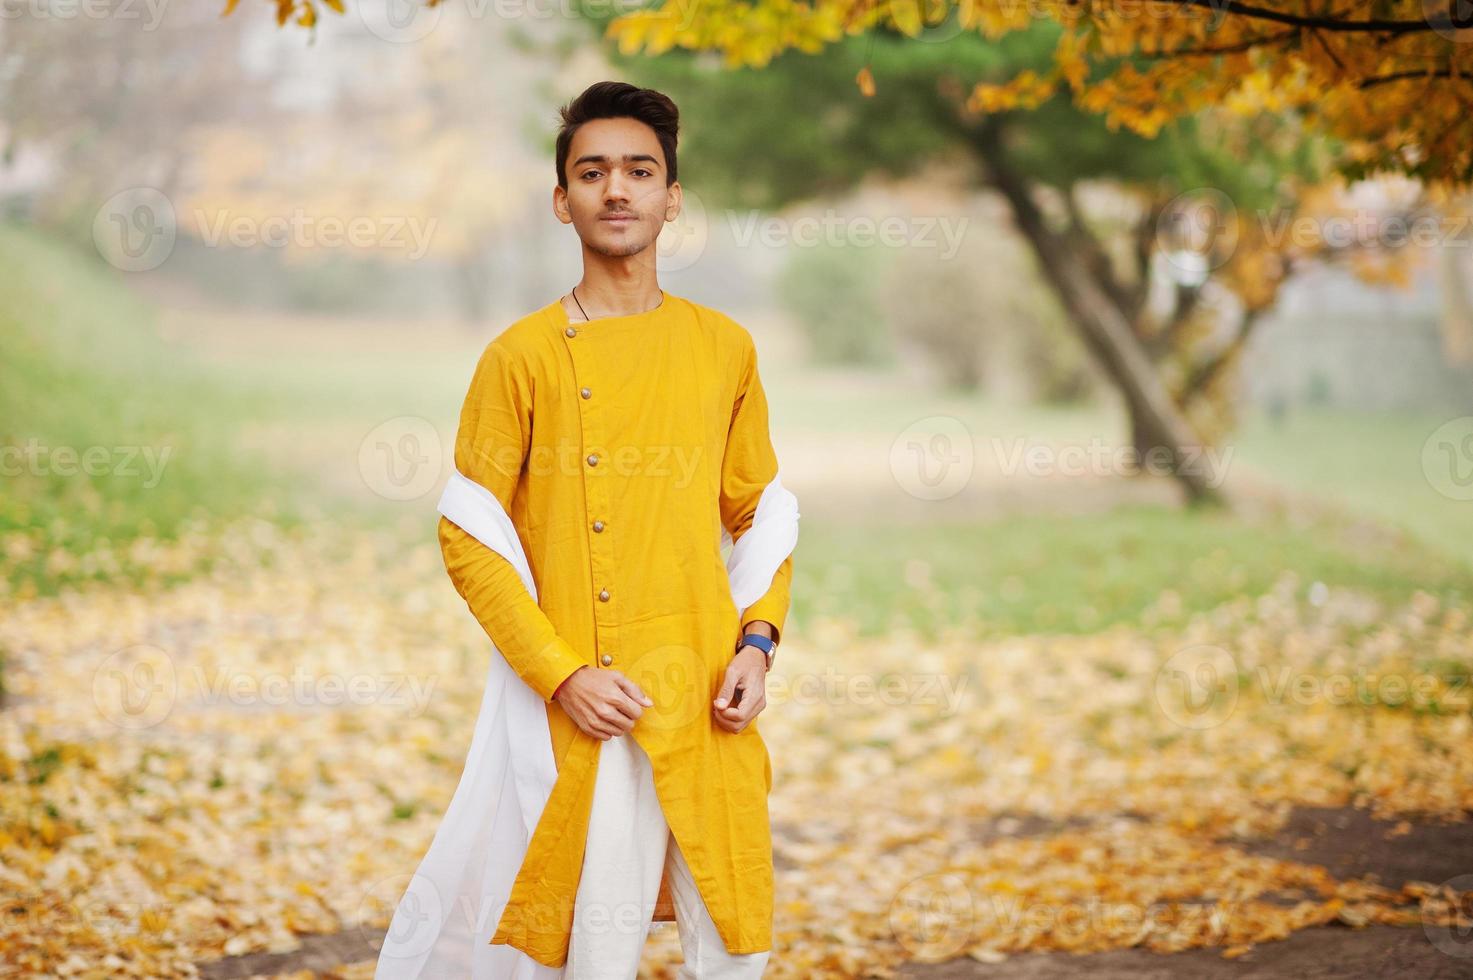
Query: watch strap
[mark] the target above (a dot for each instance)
(763, 643)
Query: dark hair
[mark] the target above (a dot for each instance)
(609, 100)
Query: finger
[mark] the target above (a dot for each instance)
(728, 688)
(608, 719)
(633, 690)
(755, 701)
(627, 707)
(746, 710)
(743, 697)
(600, 725)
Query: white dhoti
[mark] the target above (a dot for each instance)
(629, 846)
(440, 927)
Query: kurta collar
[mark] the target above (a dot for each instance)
(560, 316)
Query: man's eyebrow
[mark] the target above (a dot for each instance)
(628, 158)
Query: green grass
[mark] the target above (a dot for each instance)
(1081, 573)
(1369, 462)
(107, 433)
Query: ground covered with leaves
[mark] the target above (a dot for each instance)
(261, 752)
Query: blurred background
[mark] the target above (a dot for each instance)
(1130, 611)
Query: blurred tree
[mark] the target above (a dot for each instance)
(224, 131)
(102, 98)
(1381, 77)
(833, 292)
(1157, 60)
(975, 307)
(1457, 313)
(941, 308)
(1141, 68)
(1163, 289)
(424, 163)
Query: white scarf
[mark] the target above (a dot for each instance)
(442, 926)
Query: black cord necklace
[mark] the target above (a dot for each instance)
(574, 293)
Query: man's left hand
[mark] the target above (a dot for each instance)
(747, 673)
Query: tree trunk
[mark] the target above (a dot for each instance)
(1139, 436)
(1104, 328)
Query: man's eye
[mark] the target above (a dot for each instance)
(590, 173)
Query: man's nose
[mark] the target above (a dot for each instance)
(618, 190)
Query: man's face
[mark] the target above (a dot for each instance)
(616, 199)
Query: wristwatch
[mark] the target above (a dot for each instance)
(767, 646)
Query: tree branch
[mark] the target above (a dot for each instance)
(1443, 21)
(1402, 76)
(1205, 373)
(1247, 44)
(1089, 245)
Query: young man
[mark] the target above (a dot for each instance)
(624, 432)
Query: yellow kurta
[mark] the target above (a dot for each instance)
(620, 447)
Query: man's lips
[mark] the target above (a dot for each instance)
(618, 217)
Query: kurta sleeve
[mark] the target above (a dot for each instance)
(747, 467)
(490, 447)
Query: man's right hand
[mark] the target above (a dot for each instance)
(603, 703)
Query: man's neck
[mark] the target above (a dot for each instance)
(601, 295)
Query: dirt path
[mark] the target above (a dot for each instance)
(1376, 952)
(1348, 842)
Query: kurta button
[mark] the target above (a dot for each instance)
(603, 596)
(593, 459)
(598, 525)
(606, 659)
(586, 393)
(571, 331)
